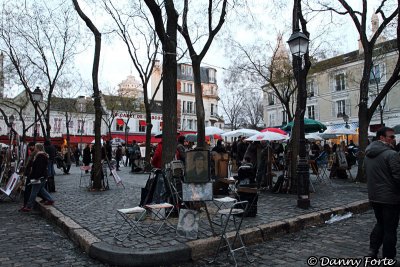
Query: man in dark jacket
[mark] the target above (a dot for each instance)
(382, 168)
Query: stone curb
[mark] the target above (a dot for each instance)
(113, 254)
(192, 250)
(255, 235)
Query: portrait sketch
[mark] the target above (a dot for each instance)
(188, 224)
(197, 192)
(197, 166)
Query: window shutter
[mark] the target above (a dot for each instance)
(317, 112)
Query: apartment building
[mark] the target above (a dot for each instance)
(333, 90)
(186, 106)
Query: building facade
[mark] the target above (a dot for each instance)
(333, 87)
(186, 104)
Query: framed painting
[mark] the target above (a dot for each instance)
(197, 192)
(197, 168)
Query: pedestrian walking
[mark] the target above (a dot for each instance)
(38, 176)
(382, 168)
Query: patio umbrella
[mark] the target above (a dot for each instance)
(158, 134)
(275, 130)
(340, 131)
(314, 137)
(191, 137)
(240, 132)
(211, 130)
(94, 140)
(117, 141)
(267, 136)
(310, 126)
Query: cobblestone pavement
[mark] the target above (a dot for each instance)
(347, 239)
(96, 211)
(28, 240)
(29, 234)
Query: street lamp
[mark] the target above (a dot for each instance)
(346, 120)
(37, 96)
(298, 43)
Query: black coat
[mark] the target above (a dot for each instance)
(87, 156)
(39, 166)
(382, 167)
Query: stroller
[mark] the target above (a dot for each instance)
(246, 174)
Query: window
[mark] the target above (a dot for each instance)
(340, 107)
(211, 74)
(71, 124)
(271, 99)
(272, 119)
(188, 88)
(284, 117)
(190, 124)
(183, 106)
(311, 112)
(119, 126)
(212, 109)
(142, 126)
(310, 88)
(375, 75)
(81, 126)
(93, 127)
(186, 70)
(189, 108)
(340, 84)
(57, 125)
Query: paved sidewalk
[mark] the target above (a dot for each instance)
(89, 218)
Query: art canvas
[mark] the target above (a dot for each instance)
(197, 166)
(197, 192)
(188, 224)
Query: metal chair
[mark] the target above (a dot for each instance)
(235, 214)
(132, 217)
(160, 212)
(85, 175)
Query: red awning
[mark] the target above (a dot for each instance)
(142, 123)
(120, 122)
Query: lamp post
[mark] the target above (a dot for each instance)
(37, 96)
(298, 43)
(346, 120)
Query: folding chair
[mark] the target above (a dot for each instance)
(223, 203)
(235, 214)
(160, 212)
(10, 187)
(132, 217)
(85, 175)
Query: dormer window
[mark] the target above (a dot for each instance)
(186, 70)
(212, 75)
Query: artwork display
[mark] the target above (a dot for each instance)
(188, 224)
(197, 192)
(197, 166)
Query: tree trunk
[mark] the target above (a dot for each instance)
(149, 126)
(201, 140)
(169, 108)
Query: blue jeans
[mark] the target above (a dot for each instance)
(38, 188)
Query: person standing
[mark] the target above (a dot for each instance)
(77, 155)
(118, 156)
(86, 159)
(38, 176)
(382, 168)
(181, 149)
(51, 152)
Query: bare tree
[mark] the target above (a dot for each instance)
(275, 72)
(18, 106)
(197, 58)
(232, 105)
(134, 26)
(96, 94)
(40, 42)
(252, 109)
(168, 38)
(388, 13)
